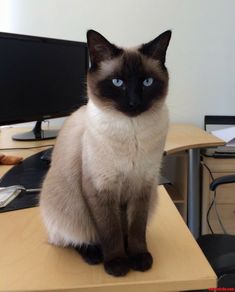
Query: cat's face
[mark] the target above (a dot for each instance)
(130, 81)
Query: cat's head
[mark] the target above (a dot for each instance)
(129, 80)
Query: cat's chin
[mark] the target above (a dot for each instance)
(132, 113)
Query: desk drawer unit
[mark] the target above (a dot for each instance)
(227, 215)
(225, 196)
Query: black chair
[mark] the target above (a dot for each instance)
(220, 248)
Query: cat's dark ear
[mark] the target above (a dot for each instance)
(99, 48)
(156, 49)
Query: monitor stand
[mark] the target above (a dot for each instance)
(36, 134)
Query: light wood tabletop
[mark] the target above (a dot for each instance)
(180, 137)
(185, 136)
(29, 263)
(19, 148)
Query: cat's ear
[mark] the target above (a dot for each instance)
(156, 49)
(99, 48)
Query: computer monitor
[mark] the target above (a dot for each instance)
(40, 78)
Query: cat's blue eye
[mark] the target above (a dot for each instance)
(117, 82)
(148, 81)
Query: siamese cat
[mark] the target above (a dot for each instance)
(102, 183)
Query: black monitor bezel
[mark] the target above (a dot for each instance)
(51, 41)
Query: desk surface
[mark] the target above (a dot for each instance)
(180, 137)
(29, 263)
(183, 136)
(16, 147)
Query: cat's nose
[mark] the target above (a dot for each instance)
(134, 102)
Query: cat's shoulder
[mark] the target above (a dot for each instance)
(76, 119)
(73, 127)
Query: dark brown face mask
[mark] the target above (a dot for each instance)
(137, 79)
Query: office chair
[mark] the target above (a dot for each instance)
(219, 249)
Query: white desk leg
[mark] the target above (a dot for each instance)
(194, 191)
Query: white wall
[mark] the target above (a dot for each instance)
(201, 56)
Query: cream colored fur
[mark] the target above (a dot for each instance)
(115, 148)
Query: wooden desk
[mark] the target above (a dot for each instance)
(180, 137)
(185, 136)
(29, 263)
(188, 137)
(15, 147)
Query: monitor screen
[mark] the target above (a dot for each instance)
(40, 78)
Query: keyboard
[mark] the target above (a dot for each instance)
(225, 149)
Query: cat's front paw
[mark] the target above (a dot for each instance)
(117, 267)
(92, 254)
(141, 262)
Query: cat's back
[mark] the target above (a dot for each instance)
(65, 167)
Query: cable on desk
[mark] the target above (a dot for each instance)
(25, 148)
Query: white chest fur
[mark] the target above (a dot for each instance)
(119, 146)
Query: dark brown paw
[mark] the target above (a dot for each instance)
(117, 267)
(141, 262)
(91, 253)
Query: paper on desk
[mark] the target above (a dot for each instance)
(228, 135)
(231, 143)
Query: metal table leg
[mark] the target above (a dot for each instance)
(194, 191)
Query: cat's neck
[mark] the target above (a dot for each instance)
(108, 119)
